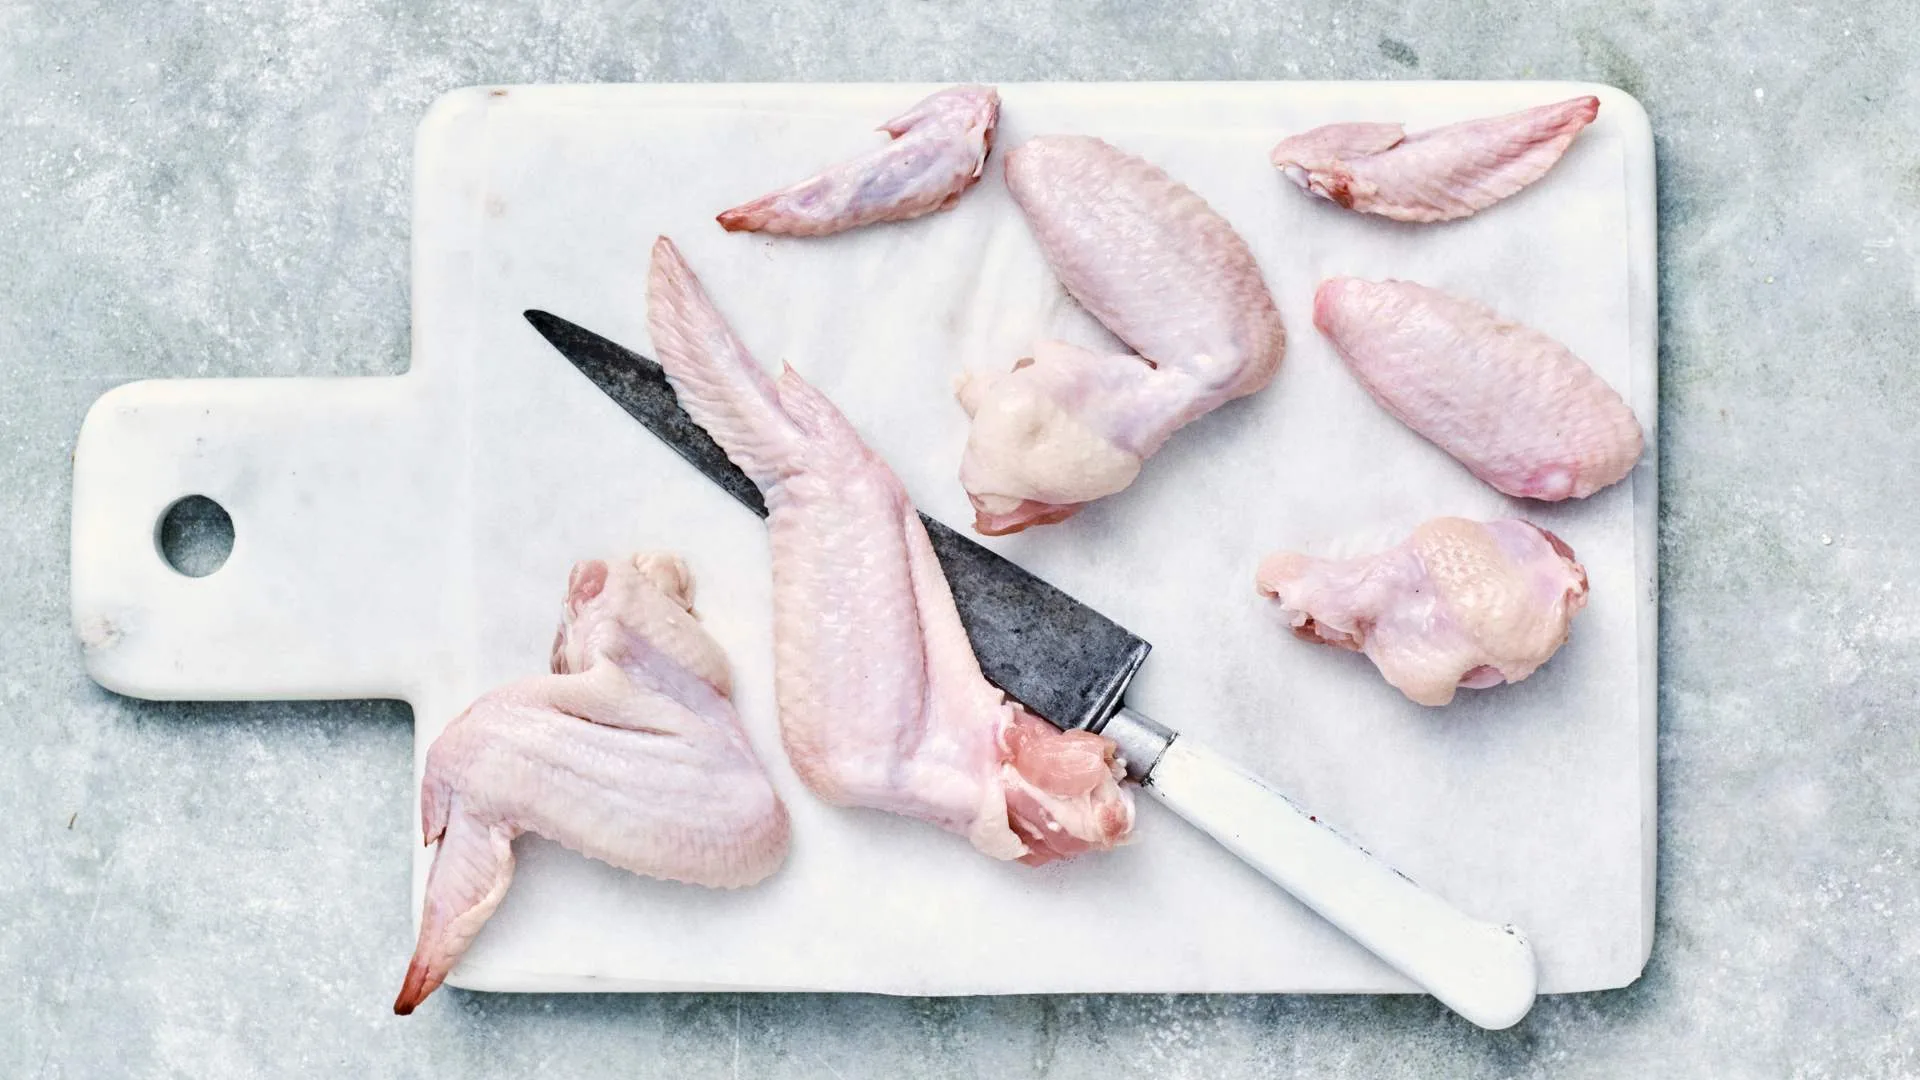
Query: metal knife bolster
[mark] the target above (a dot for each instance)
(1141, 740)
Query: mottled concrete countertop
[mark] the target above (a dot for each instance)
(221, 188)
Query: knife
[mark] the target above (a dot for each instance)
(1071, 665)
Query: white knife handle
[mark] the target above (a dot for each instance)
(1481, 971)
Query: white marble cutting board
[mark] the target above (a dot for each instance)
(410, 536)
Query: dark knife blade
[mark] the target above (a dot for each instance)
(1055, 655)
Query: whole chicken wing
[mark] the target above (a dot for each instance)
(1155, 264)
(1508, 402)
(1459, 603)
(938, 150)
(629, 752)
(881, 701)
(1437, 175)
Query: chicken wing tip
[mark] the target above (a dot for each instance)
(419, 983)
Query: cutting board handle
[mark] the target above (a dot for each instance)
(314, 600)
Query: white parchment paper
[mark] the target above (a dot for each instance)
(1528, 803)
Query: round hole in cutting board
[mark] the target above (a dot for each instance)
(195, 535)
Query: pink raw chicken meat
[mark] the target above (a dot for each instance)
(1438, 175)
(938, 151)
(1168, 276)
(629, 752)
(1510, 403)
(882, 703)
(1459, 603)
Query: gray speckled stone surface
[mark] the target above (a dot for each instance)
(221, 189)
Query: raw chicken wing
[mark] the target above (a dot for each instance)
(1510, 403)
(938, 150)
(882, 703)
(629, 752)
(1168, 276)
(1438, 175)
(1459, 603)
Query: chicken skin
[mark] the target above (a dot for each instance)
(939, 150)
(1510, 403)
(1438, 175)
(1170, 278)
(881, 700)
(1459, 603)
(629, 752)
